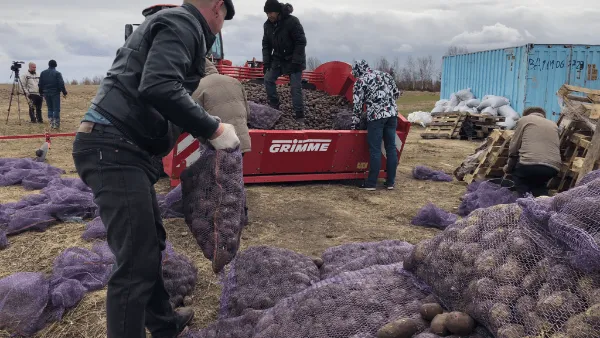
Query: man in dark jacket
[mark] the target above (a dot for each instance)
(283, 48)
(141, 107)
(50, 86)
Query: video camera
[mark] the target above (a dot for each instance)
(16, 65)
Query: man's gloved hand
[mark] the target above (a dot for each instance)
(225, 137)
(266, 68)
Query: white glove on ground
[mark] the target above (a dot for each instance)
(227, 140)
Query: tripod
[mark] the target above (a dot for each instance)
(15, 88)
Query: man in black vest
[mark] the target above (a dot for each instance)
(283, 48)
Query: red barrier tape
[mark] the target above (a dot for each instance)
(16, 137)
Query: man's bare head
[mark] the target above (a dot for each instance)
(32, 67)
(213, 11)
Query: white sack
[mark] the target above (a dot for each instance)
(490, 111)
(494, 102)
(508, 113)
(465, 94)
(453, 100)
(509, 124)
(442, 103)
(421, 117)
(438, 109)
(473, 103)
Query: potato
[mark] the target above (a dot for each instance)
(318, 262)
(535, 325)
(460, 323)
(562, 302)
(187, 301)
(508, 294)
(469, 233)
(593, 316)
(438, 325)
(487, 262)
(559, 335)
(525, 305)
(511, 331)
(485, 288)
(531, 283)
(430, 310)
(510, 272)
(402, 328)
(577, 327)
(520, 245)
(470, 253)
(561, 277)
(500, 315)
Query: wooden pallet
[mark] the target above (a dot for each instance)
(574, 149)
(494, 158)
(446, 126)
(480, 126)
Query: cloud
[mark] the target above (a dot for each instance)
(83, 35)
(494, 36)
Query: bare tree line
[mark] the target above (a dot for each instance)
(421, 73)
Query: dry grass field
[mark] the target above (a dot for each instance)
(307, 218)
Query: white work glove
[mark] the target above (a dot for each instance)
(227, 140)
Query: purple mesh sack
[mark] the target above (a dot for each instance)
(427, 174)
(94, 230)
(261, 116)
(32, 174)
(343, 120)
(483, 195)
(89, 268)
(432, 216)
(23, 297)
(261, 276)
(171, 204)
(522, 269)
(351, 304)
(358, 256)
(213, 199)
(180, 276)
(236, 327)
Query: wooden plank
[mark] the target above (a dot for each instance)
(584, 90)
(595, 112)
(592, 156)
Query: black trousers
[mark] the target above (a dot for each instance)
(36, 107)
(122, 178)
(533, 179)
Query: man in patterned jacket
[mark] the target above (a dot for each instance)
(378, 92)
(30, 81)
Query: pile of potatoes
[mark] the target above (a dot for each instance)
(441, 324)
(321, 110)
(489, 266)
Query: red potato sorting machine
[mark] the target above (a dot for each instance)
(290, 155)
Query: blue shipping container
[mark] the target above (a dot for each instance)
(528, 75)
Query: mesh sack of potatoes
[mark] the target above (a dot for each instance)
(351, 304)
(262, 116)
(522, 269)
(213, 203)
(357, 256)
(261, 276)
(180, 276)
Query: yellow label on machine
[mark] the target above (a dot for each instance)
(362, 165)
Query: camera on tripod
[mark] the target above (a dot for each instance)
(16, 65)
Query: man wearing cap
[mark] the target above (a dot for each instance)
(283, 49)
(141, 107)
(51, 84)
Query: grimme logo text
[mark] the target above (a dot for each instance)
(298, 146)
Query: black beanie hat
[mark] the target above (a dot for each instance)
(52, 64)
(272, 6)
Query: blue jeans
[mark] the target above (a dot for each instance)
(296, 87)
(378, 130)
(53, 103)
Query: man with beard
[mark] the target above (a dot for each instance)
(141, 108)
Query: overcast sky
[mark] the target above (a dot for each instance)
(83, 35)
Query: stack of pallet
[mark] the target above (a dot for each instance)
(445, 125)
(480, 126)
(462, 125)
(579, 144)
(491, 160)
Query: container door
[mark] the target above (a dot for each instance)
(583, 70)
(547, 71)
